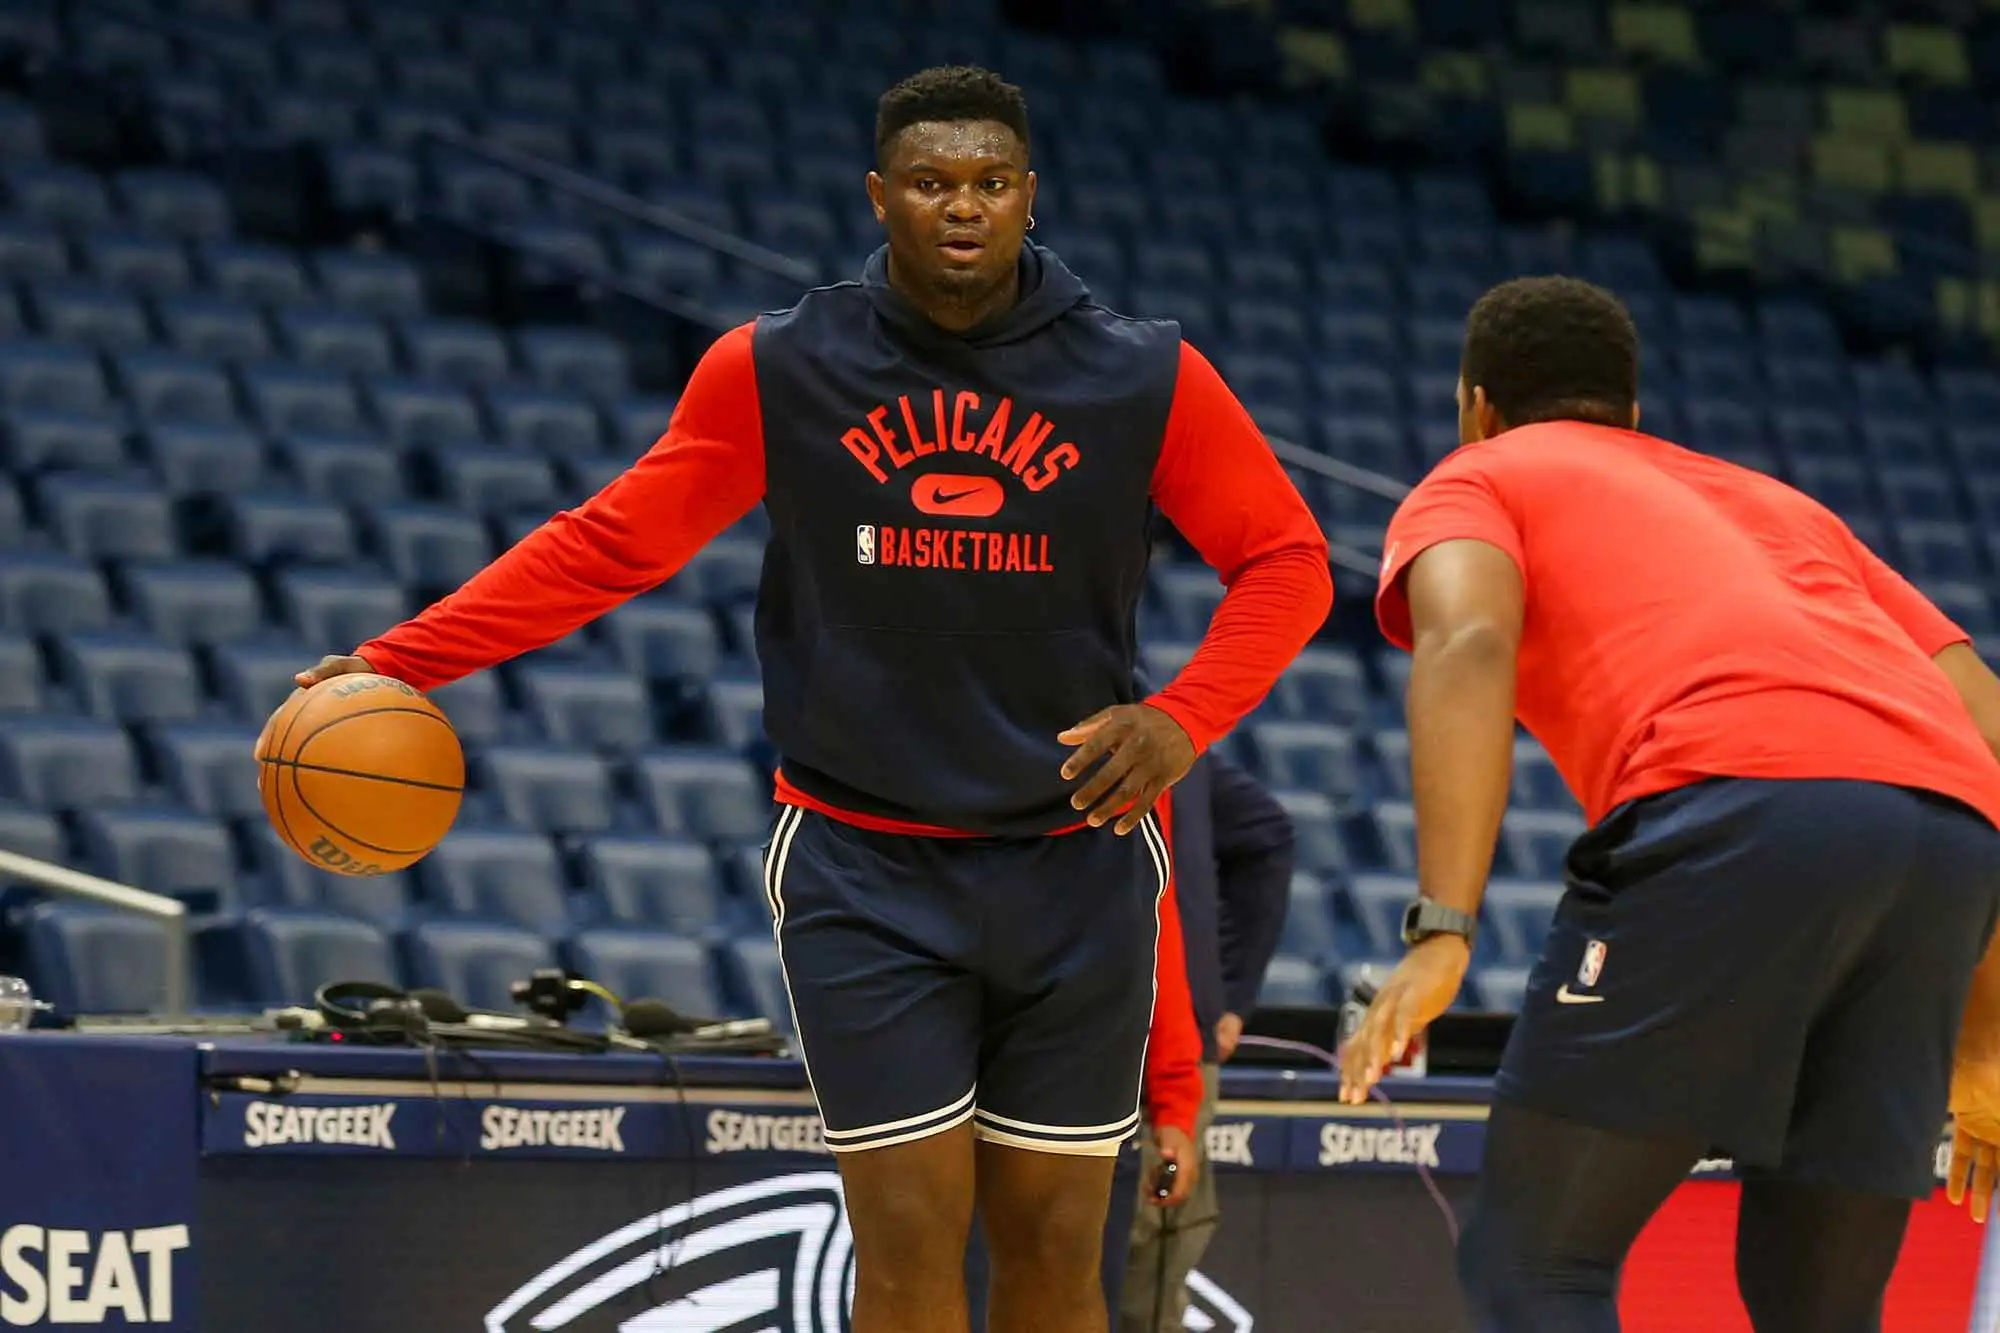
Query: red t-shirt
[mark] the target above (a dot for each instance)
(1688, 618)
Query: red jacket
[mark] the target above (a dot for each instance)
(1173, 1054)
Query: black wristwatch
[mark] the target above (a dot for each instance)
(1424, 918)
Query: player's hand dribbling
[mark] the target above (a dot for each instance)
(1144, 753)
(1423, 986)
(331, 666)
(1975, 1134)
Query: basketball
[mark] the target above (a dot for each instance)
(360, 774)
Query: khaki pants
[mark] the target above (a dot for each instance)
(1169, 1240)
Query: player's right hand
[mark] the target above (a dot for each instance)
(332, 666)
(1975, 1134)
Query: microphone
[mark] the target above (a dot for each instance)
(654, 1018)
(439, 1007)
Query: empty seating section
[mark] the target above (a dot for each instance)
(223, 454)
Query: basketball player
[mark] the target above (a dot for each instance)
(1792, 868)
(959, 453)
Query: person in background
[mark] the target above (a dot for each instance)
(1232, 873)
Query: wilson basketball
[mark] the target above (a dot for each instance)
(360, 774)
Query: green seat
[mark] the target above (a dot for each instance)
(1663, 32)
(1927, 52)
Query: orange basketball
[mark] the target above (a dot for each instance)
(360, 774)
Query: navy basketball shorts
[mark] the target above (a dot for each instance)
(1004, 981)
(1775, 967)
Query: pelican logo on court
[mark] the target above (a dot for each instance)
(774, 1254)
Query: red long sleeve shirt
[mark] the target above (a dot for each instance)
(1173, 1053)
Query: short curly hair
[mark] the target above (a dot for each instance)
(1553, 349)
(948, 92)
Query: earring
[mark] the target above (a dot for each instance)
(1031, 222)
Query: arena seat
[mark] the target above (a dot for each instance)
(1314, 756)
(348, 469)
(549, 788)
(337, 609)
(1500, 989)
(44, 440)
(130, 678)
(193, 601)
(1316, 839)
(498, 875)
(161, 850)
(20, 675)
(425, 545)
(292, 952)
(710, 795)
(339, 340)
(657, 883)
(85, 959)
(1292, 981)
(208, 767)
(475, 962)
(206, 460)
(285, 880)
(57, 376)
(664, 640)
(1519, 913)
(62, 763)
(656, 965)
(588, 708)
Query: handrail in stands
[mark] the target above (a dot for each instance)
(1363, 479)
(75, 884)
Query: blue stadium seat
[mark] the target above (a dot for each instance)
(338, 608)
(1396, 836)
(206, 460)
(727, 569)
(735, 713)
(47, 592)
(663, 263)
(1841, 484)
(1812, 434)
(344, 341)
(1722, 374)
(1260, 379)
(416, 413)
(285, 529)
(560, 425)
(366, 179)
(1519, 913)
(1314, 756)
(209, 768)
(481, 191)
(1537, 784)
(1500, 989)
(160, 850)
(1723, 428)
(637, 964)
(667, 883)
(58, 195)
(57, 763)
(287, 880)
(174, 203)
(704, 794)
(528, 89)
(1891, 390)
(547, 788)
(214, 326)
(345, 69)
(1895, 442)
(107, 518)
(177, 387)
(33, 833)
(1392, 750)
(1378, 902)
(32, 250)
(1323, 685)
(463, 351)
(296, 399)
(348, 469)
(761, 981)
(1360, 337)
(371, 283)
(40, 441)
(1362, 391)
(506, 876)
(575, 361)
(258, 274)
(1187, 596)
(51, 375)
(291, 953)
(429, 76)
(588, 708)
(1292, 981)
(1435, 343)
(20, 675)
(1710, 321)
(664, 640)
(473, 962)
(1969, 396)
(1919, 492)
(428, 546)
(1265, 325)
(497, 482)
(1316, 841)
(1796, 327)
(130, 678)
(474, 705)
(1538, 841)
(85, 959)
(1309, 922)
(637, 422)
(194, 601)
(76, 311)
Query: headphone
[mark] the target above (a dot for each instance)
(372, 1011)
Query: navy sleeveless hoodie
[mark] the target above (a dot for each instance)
(959, 542)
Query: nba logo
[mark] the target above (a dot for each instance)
(1593, 963)
(864, 544)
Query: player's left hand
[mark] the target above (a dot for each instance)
(1173, 1145)
(1144, 753)
(1975, 1132)
(1423, 986)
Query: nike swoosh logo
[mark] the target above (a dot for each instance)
(1565, 995)
(943, 499)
